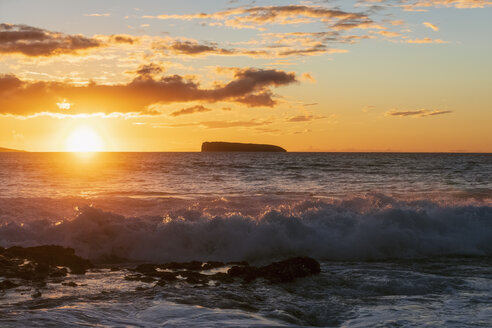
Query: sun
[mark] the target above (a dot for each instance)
(84, 139)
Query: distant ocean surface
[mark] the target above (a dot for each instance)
(404, 240)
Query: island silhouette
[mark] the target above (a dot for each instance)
(9, 150)
(221, 146)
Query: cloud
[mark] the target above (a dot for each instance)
(32, 41)
(119, 38)
(218, 124)
(274, 45)
(305, 118)
(191, 110)
(388, 34)
(431, 26)
(260, 16)
(98, 15)
(418, 113)
(422, 5)
(36, 42)
(368, 108)
(249, 86)
(149, 70)
(244, 17)
(194, 48)
(424, 41)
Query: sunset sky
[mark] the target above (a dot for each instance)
(367, 75)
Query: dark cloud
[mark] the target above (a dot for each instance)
(418, 113)
(256, 100)
(194, 48)
(191, 110)
(149, 70)
(32, 41)
(249, 86)
(118, 38)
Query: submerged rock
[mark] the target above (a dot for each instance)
(278, 272)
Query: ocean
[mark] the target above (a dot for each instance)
(403, 239)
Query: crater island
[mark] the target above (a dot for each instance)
(218, 146)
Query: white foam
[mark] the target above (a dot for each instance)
(360, 228)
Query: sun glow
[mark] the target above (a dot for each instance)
(84, 139)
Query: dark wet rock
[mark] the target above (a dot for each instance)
(51, 255)
(212, 265)
(139, 277)
(193, 277)
(7, 284)
(36, 294)
(146, 268)
(58, 272)
(113, 269)
(278, 272)
(247, 273)
(167, 276)
(222, 277)
(70, 284)
(289, 270)
(193, 265)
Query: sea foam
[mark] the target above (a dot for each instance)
(375, 227)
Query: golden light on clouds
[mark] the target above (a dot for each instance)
(64, 105)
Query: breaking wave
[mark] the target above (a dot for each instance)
(361, 228)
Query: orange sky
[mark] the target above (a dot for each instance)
(308, 76)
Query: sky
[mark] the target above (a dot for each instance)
(367, 75)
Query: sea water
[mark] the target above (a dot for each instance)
(404, 240)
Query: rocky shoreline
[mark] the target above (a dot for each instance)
(38, 265)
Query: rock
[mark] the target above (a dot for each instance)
(222, 277)
(7, 284)
(193, 277)
(167, 276)
(219, 146)
(278, 272)
(247, 273)
(36, 294)
(289, 270)
(58, 272)
(193, 265)
(212, 265)
(139, 277)
(146, 268)
(51, 255)
(70, 284)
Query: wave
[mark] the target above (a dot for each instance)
(375, 227)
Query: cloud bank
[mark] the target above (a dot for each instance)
(249, 86)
